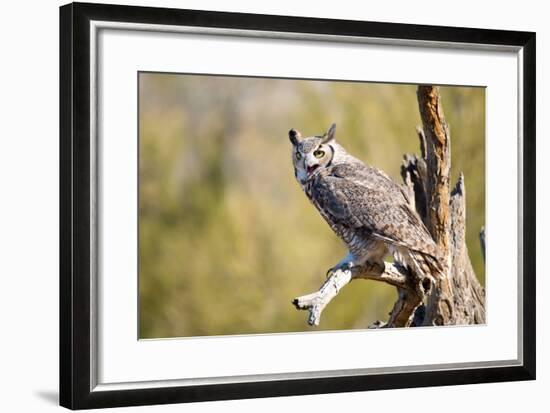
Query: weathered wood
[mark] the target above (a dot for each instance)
(457, 297)
(438, 218)
(413, 172)
(438, 160)
(409, 298)
(316, 302)
(469, 296)
(403, 313)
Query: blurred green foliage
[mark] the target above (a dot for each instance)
(226, 236)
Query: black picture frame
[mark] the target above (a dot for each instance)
(75, 220)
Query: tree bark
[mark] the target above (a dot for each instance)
(439, 309)
(457, 298)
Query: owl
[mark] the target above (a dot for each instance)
(368, 210)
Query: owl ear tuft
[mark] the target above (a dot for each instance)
(331, 133)
(294, 136)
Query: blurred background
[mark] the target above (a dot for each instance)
(226, 236)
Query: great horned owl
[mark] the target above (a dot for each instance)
(363, 206)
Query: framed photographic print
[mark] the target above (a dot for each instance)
(226, 176)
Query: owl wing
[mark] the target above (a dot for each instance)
(359, 196)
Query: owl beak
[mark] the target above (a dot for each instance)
(312, 168)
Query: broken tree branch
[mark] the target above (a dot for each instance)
(469, 296)
(316, 302)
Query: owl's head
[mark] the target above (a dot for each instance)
(311, 154)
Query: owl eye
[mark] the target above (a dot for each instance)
(298, 155)
(319, 153)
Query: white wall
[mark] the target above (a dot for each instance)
(29, 203)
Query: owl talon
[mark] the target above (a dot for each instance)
(340, 267)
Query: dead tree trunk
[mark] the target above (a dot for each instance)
(457, 298)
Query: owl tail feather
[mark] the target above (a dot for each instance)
(425, 266)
